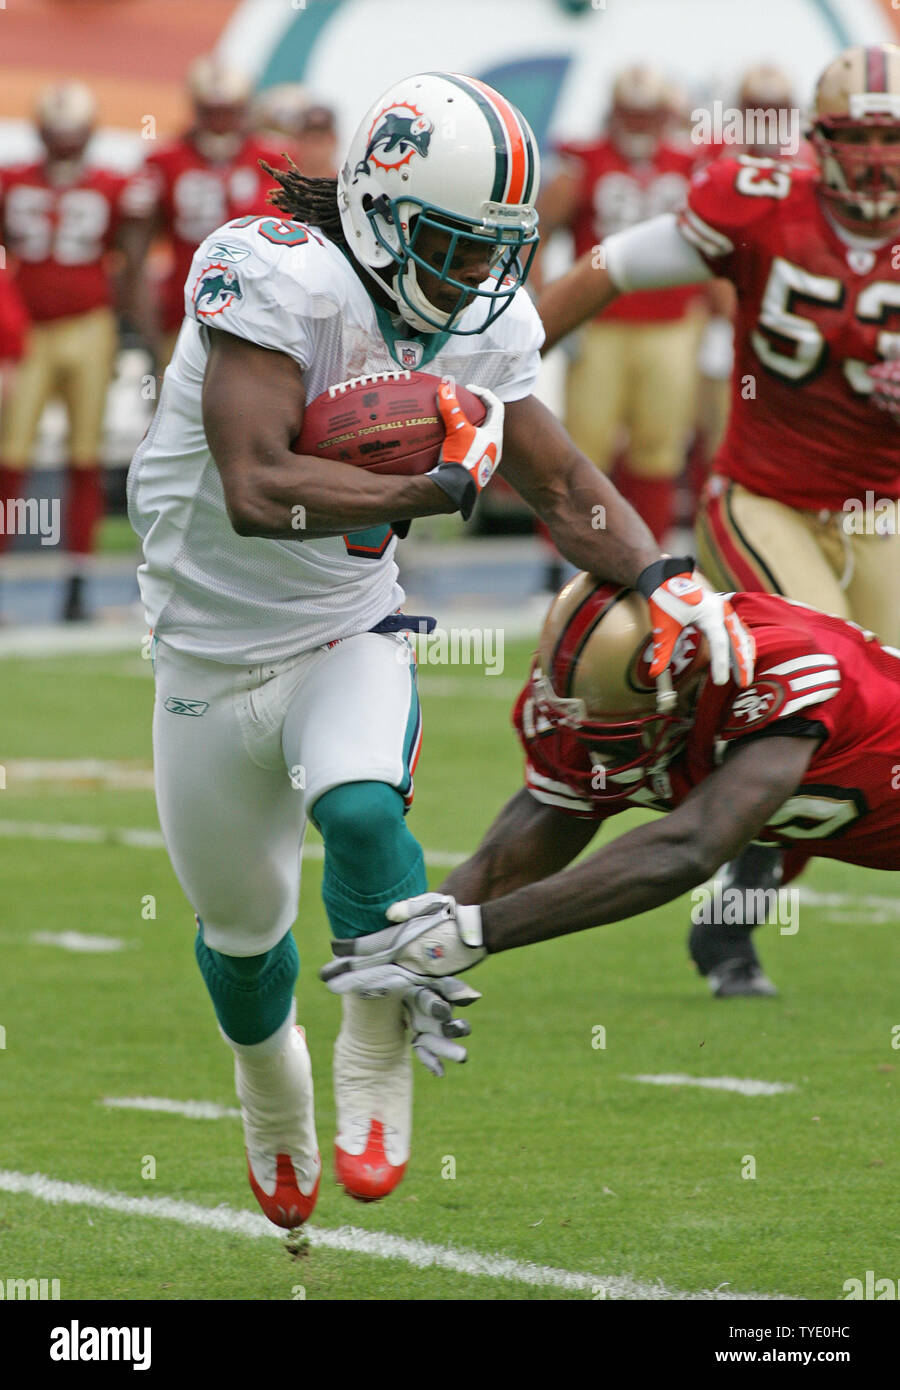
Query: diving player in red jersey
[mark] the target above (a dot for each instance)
(806, 759)
(792, 506)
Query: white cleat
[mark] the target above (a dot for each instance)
(276, 1095)
(373, 1094)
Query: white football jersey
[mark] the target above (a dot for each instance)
(246, 599)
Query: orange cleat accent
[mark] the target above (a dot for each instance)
(370, 1175)
(287, 1206)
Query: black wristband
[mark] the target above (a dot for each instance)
(458, 484)
(661, 570)
(401, 529)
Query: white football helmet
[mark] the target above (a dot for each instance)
(445, 152)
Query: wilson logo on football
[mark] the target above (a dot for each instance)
(397, 133)
(753, 705)
(216, 288)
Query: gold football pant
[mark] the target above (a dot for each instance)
(640, 377)
(72, 358)
(749, 542)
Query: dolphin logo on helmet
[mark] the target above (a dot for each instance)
(395, 138)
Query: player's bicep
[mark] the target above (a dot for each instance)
(731, 806)
(253, 401)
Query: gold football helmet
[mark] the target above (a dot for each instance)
(65, 115)
(220, 96)
(856, 135)
(640, 111)
(592, 677)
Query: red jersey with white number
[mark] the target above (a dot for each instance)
(816, 677)
(615, 193)
(195, 195)
(813, 315)
(60, 235)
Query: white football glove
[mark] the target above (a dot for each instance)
(470, 453)
(370, 967)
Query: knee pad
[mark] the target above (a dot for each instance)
(251, 994)
(371, 859)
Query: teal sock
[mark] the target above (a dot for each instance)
(251, 994)
(371, 859)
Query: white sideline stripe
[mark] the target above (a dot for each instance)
(152, 839)
(77, 941)
(354, 1241)
(191, 1109)
(718, 1083)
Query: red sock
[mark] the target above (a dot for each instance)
(652, 498)
(12, 484)
(84, 509)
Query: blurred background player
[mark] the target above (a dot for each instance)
(810, 252)
(771, 122)
(288, 119)
(61, 219)
(206, 177)
(634, 371)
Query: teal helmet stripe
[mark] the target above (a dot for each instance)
(498, 135)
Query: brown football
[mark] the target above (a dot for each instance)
(387, 423)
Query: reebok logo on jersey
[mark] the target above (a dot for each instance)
(222, 251)
(178, 706)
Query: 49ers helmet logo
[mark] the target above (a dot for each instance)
(397, 133)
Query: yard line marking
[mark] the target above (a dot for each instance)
(117, 775)
(353, 1240)
(137, 838)
(836, 904)
(191, 1109)
(882, 907)
(718, 1083)
(77, 941)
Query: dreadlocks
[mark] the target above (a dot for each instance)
(307, 200)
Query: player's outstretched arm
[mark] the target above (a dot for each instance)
(642, 869)
(527, 841)
(655, 863)
(585, 290)
(651, 255)
(591, 523)
(253, 402)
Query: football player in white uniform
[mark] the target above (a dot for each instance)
(270, 584)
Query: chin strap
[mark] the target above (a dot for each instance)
(666, 695)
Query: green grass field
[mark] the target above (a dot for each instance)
(561, 1159)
